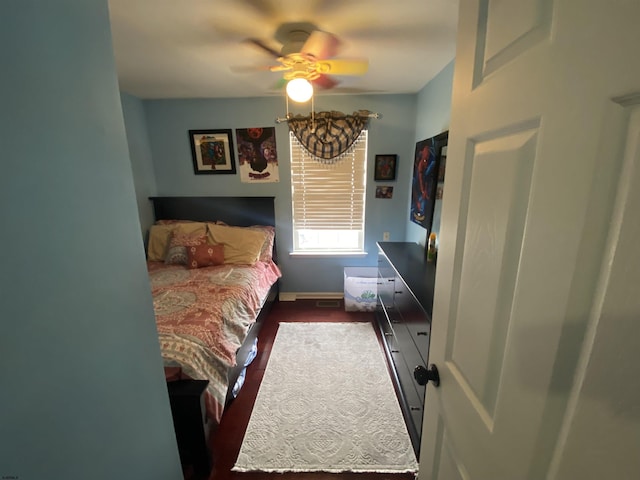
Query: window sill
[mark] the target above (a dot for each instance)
(327, 254)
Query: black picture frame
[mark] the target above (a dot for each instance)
(212, 151)
(426, 171)
(385, 167)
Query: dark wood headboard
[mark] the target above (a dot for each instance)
(237, 211)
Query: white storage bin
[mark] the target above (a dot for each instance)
(360, 289)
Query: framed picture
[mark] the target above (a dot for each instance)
(257, 155)
(385, 167)
(426, 174)
(384, 192)
(212, 151)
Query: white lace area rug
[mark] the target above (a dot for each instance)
(326, 403)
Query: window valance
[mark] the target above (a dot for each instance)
(328, 135)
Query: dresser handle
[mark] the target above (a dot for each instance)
(423, 333)
(388, 334)
(415, 409)
(395, 351)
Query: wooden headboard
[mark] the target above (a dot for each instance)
(237, 211)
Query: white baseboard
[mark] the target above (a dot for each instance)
(293, 296)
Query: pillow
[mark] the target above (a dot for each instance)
(160, 235)
(177, 252)
(205, 255)
(242, 246)
(266, 253)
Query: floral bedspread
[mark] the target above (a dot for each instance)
(203, 316)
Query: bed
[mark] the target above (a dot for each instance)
(210, 298)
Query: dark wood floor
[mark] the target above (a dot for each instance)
(226, 441)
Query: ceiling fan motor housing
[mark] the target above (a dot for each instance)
(294, 43)
(298, 66)
(308, 53)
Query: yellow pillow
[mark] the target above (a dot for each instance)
(241, 245)
(160, 235)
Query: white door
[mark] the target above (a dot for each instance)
(536, 320)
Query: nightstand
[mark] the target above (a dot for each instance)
(190, 423)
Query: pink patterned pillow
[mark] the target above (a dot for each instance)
(205, 255)
(177, 251)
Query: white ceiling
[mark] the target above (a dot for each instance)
(194, 48)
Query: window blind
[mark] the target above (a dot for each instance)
(329, 196)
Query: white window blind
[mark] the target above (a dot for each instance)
(328, 199)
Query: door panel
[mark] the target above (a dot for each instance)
(496, 209)
(542, 119)
(446, 467)
(604, 418)
(507, 30)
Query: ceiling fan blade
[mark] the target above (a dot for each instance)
(320, 45)
(324, 82)
(338, 66)
(261, 45)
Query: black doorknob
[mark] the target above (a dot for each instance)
(423, 375)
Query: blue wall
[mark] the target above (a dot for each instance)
(82, 392)
(433, 117)
(141, 160)
(406, 120)
(168, 122)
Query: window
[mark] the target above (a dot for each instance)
(328, 200)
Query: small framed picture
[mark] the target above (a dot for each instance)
(385, 167)
(212, 151)
(384, 192)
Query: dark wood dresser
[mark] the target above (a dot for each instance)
(405, 301)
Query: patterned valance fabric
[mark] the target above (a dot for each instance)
(328, 135)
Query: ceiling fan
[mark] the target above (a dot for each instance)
(308, 53)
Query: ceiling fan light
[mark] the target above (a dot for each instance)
(299, 90)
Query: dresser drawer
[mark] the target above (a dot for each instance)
(405, 342)
(386, 331)
(384, 266)
(412, 356)
(414, 317)
(420, 334)
(386, 287)
(386, 280)
(406, 303)
(413, 400)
